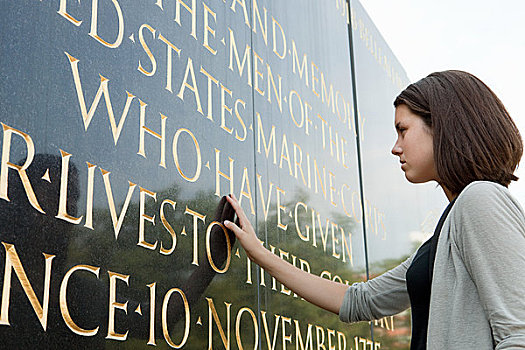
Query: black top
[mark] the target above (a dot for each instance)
(419, 281)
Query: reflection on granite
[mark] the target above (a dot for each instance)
(125, 124)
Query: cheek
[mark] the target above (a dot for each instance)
(428, 153)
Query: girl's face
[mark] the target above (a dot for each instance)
(414, 146)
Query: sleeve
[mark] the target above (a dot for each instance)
(491, 242)
(385, 295)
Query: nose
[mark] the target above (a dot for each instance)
(396, 149)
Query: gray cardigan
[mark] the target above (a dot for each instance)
(478, 287)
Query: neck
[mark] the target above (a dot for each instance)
(448, 193)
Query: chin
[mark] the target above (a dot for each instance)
(417, 179)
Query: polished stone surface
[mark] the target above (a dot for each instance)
(124, 123)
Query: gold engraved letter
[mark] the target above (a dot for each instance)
(341, 340)
(225, 108)
(314, 78)
(298, 163)
(284, 254)
(165, 318)
(12, 262)
(257, 15)
(258, 74)
(219, 173)
(286, 337)
(212, 313)
(331, 333)
(147, 50)
(285, 155)
(245, 11)
(211, 79)
(113, 276)
(6, 164)
(152, 290)
(303, 237)
(62, 204)
(246, 181)
(89, 195)
(161, 136)
(322, 181)
(193, 16)
(196, 218)
(169, 60)
(207, 28)
(265, 205)
(271, 141)
(280, 208)
(319, 332)
(63, 300)
(278, 94)
(267, 332)
(168, 227)
(94, 27)
(294, 93)
(327, 97)
(102, 89)
(343, 199)
(304, 64)
(346, 246)
(308, 343)
(281, 55)
(62, 11)
(117, 222)
(176, 155)
(208, 248)
(239, 118)
(245, 59)
(193, 87)
(331, 188)
(142, 240)
(238, 327)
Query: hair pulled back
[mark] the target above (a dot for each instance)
(474, 137)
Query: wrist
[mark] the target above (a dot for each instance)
(260, 255)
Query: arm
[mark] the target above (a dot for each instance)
(382, 296)
(491, 241)
(321, 292)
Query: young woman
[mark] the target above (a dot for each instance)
(466, 285)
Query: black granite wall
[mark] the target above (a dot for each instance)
(125, 122)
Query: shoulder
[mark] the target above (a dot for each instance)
(485, 197)
(488, 208)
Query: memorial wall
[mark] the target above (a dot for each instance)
(123, 125)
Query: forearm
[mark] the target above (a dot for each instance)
(318, 291)
(321, 292)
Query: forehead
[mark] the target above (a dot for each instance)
(404, 115)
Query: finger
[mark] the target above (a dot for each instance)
(236, 229)
(228, 213)
(238, 209)
(230, 217)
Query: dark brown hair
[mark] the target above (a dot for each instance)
(474, 137)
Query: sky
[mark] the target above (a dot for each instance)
(485, 38)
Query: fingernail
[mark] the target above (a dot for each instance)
(226, 222)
